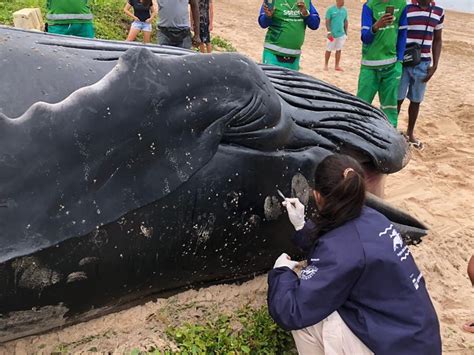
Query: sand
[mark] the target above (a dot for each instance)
(436, 187)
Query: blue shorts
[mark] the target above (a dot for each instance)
(411, 83)
(142, 26)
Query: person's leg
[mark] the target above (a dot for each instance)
(388, 91)
(134, 31)
(338, 60)
(327, 56)
(368, 84)
(338, 339)
(309, 341)
(85, 30)
(146, 36)
(413, 110)
(202, 47)
(339, 43)
(416, 94)
(209, 47)
(469, 326)
(163, 39)
(186, 43)
(58, 29)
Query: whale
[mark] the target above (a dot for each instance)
(129, 171)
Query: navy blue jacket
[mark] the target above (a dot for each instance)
(364, 271)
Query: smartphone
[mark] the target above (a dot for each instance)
(390, 10)
(269, 4)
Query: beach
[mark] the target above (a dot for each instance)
(437, 187)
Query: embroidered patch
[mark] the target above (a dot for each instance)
(308, 272)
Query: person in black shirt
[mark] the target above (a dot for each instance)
(143, 14)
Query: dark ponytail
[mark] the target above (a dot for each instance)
(341, 182)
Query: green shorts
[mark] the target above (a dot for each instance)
(272, 59)
(73, 29)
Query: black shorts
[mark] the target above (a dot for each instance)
(204, 32)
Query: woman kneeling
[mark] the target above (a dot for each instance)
(361, 291)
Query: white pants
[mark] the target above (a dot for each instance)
(336, 44)
(331, 336)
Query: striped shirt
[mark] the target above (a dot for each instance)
(418, 18)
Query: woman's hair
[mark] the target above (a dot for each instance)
(341, 182)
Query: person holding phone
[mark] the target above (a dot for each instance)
(384, 33)
(361, 292)
(286, 21)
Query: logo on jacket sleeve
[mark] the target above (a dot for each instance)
(308, 272)
(399, 247)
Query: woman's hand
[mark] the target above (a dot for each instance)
(285, 260)
(295, 212)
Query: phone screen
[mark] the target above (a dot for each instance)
(390, 10)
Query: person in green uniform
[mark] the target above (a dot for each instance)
(286, 21)
(70, 17)
(384, 34)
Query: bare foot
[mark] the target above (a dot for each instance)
(326, 68)
(468, 327)
(339, 69)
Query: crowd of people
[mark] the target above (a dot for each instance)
(351, 307)
(391, 31)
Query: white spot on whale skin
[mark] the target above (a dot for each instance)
(31, 274)
(76, 276)
(272, 208)
(300, 188)
(146, 231)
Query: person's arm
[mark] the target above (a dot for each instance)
(369, 28)
(313, 20)
(265, 17)
(325, 285)
(127, 8)
(367, 36)
(153, 13)
(402, 35)
(302, 238)
(436, 48)
(211, 16)
(195, 13)
(346, 25)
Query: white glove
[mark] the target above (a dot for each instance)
(285, 260)
(295, 212)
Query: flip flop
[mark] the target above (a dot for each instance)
(418, 145)
(468, 327)
(339, 69)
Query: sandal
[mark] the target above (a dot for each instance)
(418, 145)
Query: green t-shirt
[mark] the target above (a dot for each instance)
(383, 50)
(337, 16)
(285, 36)
(62, 12)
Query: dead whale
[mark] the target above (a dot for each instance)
(127, 171)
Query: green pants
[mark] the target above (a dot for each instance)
(271, 58)
(73, 29)
(385, 81)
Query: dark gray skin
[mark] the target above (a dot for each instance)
(153, 179)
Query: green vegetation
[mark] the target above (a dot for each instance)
(249, 331)
(110, 21)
